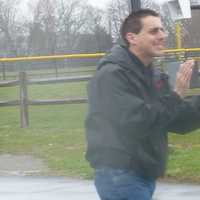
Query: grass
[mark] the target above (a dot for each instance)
(66, 71)
(184, 159)
(59, 90)
(56, 134)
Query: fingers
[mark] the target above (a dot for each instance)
(184, 76)
(186, 67)
(185, 71)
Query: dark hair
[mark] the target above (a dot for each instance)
(133, 24)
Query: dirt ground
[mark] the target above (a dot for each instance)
(22, 165)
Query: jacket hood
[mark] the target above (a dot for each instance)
(118, 55)
(122, 57)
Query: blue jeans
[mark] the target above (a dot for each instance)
(116, 184)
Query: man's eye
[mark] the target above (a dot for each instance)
(156, 30)
(163, 30)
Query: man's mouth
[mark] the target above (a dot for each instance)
(160, 46)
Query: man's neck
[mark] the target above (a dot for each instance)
(143, 58)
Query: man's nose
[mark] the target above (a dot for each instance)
(163, 34)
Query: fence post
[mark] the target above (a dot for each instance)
(3, 71)
(23, 100)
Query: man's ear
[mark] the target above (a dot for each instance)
(131, 38)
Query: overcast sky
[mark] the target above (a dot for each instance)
(102, 3)
(99, 3)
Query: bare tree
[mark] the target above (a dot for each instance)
(117, 11)
(97, 28)
(9, 27)
(71, 18)
(190, 31)
(42, 31)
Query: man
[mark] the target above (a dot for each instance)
(131, 109)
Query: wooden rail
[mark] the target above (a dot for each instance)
(24, 101)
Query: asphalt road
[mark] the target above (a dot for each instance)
(59, 188)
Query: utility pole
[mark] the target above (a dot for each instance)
(135, 5)
(194, 5)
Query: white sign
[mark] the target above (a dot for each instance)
(195, 2)
(179, 9)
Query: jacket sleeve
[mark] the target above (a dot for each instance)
(125, 107)
(190, 121)
(184, 122)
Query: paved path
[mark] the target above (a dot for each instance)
(58, 188)
(16, 185)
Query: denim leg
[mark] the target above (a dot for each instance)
(114, 184)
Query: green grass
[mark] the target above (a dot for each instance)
(61, 90)
(44, 73)
(9, 93)
(56, 134)
(184, 159)
(55, 91)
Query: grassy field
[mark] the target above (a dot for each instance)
(65, 71)
(184, 159)
(56, 134)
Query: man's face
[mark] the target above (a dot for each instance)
(150, 41)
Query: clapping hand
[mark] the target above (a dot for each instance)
(183, 77)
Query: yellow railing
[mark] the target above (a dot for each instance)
(182, 53)
(54, 57)
(182, 50)
(90, 55)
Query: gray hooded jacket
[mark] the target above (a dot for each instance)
(131, 110)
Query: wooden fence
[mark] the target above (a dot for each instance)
(24, 101)
(23, 81)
